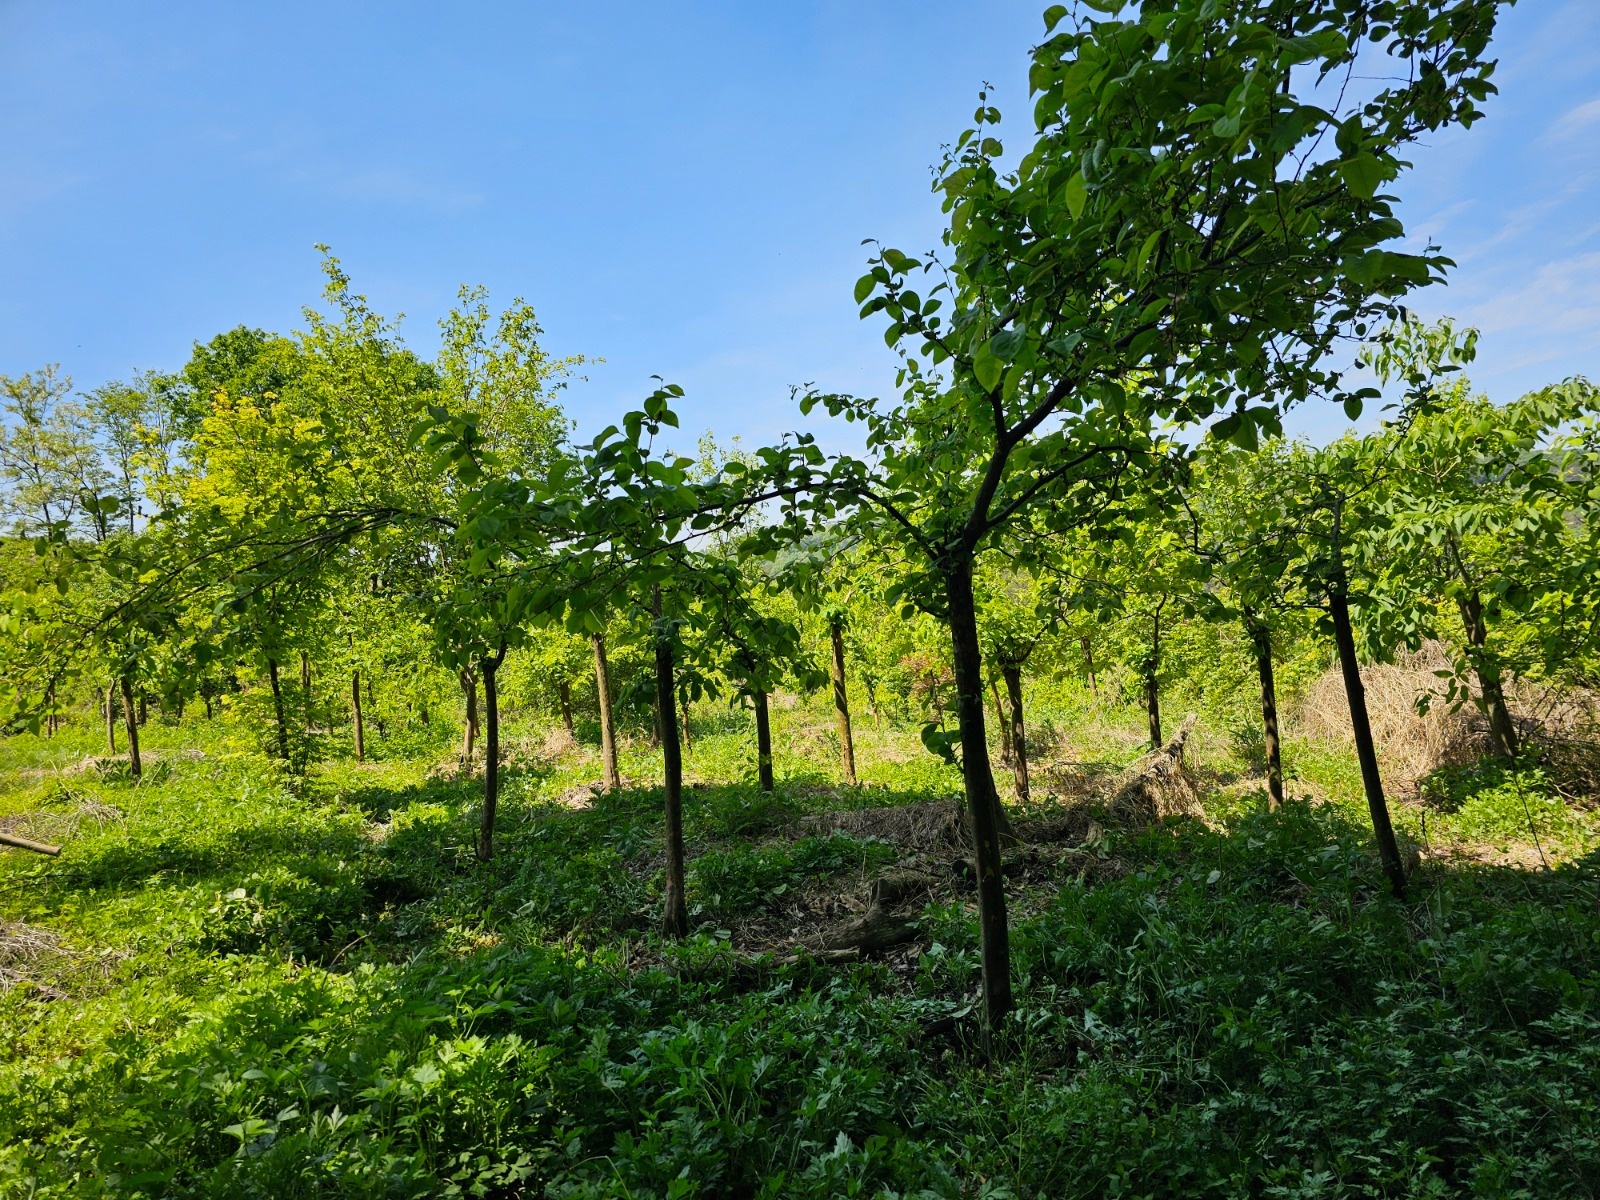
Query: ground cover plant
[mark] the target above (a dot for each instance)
(398, 799)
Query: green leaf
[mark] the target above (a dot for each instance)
(986, 366)
(864, 287)
(1077, 194)
(1362, 174)
(1352, 407)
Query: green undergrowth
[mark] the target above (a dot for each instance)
(249, 984)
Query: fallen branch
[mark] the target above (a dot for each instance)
(22, 843)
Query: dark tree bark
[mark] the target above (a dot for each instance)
(1366, 752)
(1152, 683)
(841, 705)
(1502, 731)
(144, 708)
(675, 914)
(983, 803)
(355, 715)
(1261, 639)
(131, 720)
(1019, 730)
(277, 709)
(565, 693)
(688, 740)
(491, 756)
(111, 720)
(206, 696)
(469, 729)
(305, 686)
(1088, 657)
(763, 742)
(608, 727)
(1000, 720)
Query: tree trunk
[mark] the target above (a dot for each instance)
(130, 718)
(206, 696)
(688, 741)
(1366, 753)
(675, 914)
(983, 803)
(1502, 731)
(565, 693)
(1019, 731)
(763, 742)
(1088, 657)
(144, 708)
(1000, 720)
(1152, 683)
(608, 727)
(355, 715)
(491, 758)
(305, 686)
(111, 720)
(469, 726)
(178, 707)
(277, 709)
(1261, 638)
(841, 704)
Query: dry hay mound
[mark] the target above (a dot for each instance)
(1158, 785)
(918, 828)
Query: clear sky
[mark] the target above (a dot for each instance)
(680, 188)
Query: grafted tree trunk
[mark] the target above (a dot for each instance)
(983, 803)
(277, 709)
(1000, 720)
(355, 715)
(491, 756)
(130, 718)
(608, 727)
(675, 912)
(763, 742)
(1502, 731)
(1261, 639)
(469, 726)
(1019, 730)
(564, 692)
(1366, 752)
(841, 704)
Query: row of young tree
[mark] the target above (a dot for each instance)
(1087, 436)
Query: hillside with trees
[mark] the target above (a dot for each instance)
(1078, 788)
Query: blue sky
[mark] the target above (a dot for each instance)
(679, 188)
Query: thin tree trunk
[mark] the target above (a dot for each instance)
(178, 715)
(111, 720)
(675, 912)
(608, 727)
(763, 742)
(1502, 730)
(206, 696)
(1261, 638)
(1366, 752)
(130, 718)
(1152, 683)
(1088, 657)
(1019, 731)
(355, 715)
(1000, 720)
(983, 803)
(277, 709)
(688, 742)
(469, 731)
(144, 708)
(491, 757)
(565, 692)
(305, 687)
(841, 704)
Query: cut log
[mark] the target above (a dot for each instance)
(874, 932)
(22, 843)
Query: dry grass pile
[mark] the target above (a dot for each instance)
(1563, 724)
(23, 949)
(915, 828)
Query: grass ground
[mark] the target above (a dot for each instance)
(238, 982)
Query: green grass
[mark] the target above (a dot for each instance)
(276, 987)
